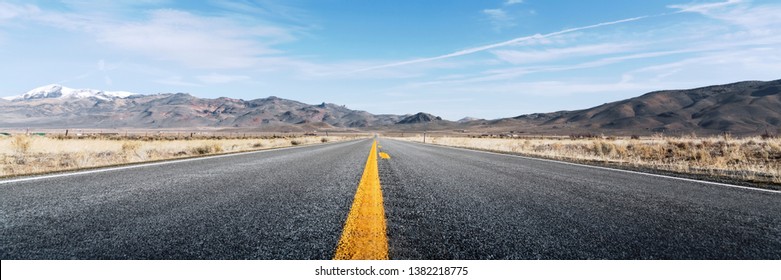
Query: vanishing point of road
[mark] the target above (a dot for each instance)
(384, 199)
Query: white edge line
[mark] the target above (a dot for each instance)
(164, 162)
(605, 168)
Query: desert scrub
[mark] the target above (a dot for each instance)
(21, 144)
(21, 154)
(753, 159)
(130, 148)
(202, 150)
(217, 147)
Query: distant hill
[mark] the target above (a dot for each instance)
(743, 107)
(419, 118)
(55, 106)
(740, 108)
(468, 119)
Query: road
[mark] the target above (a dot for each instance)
(447, 203)
(279, 204)
(439, 203)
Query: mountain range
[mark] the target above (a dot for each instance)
(55, 106)
(749, 107)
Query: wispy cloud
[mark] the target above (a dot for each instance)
(504, 17)
(501, 44)
(103, 67)
(746, 63)
(177, 81)
(760, 20)
(75, 78)
(556, 88)
(266, 9)
(523, 57)
(499, 18)
(196, 41)
(171, 35)
(704, 8)
(215, 78)
(9, 11)
(248, 47)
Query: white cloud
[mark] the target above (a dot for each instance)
(10, 11)
(176, 81)
(729, 65)
(557, 88)
(699, 54)
(215, 78)
(758, 20)
(498, 14)
(200, 42)
(499, 18)
(232, 47)
(501, 44)
(525, 57)
(169, 35)
(704, 8)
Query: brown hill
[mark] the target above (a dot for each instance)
(745, 108)
(181, 110)
(742, 108)
(419, 118)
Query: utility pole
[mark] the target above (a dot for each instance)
(424, 137)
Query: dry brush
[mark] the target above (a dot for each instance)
(22, 154)
(754, 159)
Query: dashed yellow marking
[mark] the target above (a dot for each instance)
(364, 235)
(384, 155)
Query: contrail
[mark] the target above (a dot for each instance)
(501, 44)
(681, 9)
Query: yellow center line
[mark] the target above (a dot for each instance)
(384, 155)
(364, 236)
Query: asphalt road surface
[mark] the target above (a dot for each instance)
(279, 204)
(439, 203)
(445, 203)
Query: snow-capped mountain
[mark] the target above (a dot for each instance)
(55, 106)
(61, 92)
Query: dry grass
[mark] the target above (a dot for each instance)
(21, 154)
(755, 159)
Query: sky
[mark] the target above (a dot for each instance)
(485, 59)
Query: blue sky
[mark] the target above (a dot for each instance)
(486, 59)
